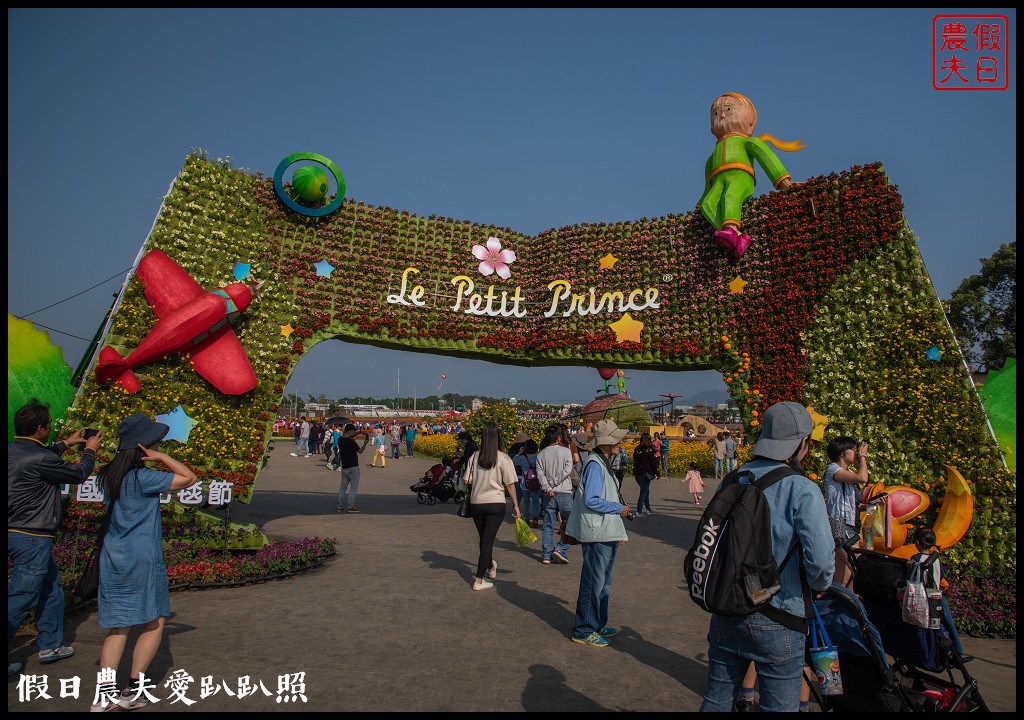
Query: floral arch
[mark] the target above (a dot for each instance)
(831, 306)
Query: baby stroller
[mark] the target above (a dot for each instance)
(867, 626)
(438, 483)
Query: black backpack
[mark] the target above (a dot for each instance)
(730, 569)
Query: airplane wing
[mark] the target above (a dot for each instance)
(221, 359)
(166, 284)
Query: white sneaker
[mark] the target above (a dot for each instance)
(492, 571)
(293, 454)
(482, 585)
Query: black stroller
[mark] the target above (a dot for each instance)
(926, 673)
(439, 483)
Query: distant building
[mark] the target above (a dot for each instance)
(476, 404)
(513, 401)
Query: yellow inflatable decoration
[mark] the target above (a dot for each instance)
(885, 524)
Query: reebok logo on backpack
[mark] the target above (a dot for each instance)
(730, 569)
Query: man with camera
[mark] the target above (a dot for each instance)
(35, 473)
(596, 522)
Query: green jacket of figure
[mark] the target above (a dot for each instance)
(729, 176)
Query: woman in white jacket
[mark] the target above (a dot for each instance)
(489, 474)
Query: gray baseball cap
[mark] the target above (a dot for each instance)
(783, 426)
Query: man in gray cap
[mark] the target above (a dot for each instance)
(800, 524)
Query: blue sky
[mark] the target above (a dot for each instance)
(528, 119)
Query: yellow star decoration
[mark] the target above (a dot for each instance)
(737, 285)
(626, 328)
(608, 261)
(820, 421)
(287, 330)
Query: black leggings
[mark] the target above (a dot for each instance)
(488, 518)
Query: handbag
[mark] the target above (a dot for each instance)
(463, 511)
(915, 599)
(565, 536)
(88, 585)
(824, 658)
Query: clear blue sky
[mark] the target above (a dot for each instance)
(528, 119)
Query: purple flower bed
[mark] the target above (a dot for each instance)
(983, 600)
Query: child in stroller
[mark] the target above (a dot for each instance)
(438, 483)
(867, 626)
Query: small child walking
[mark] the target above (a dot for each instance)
(695, 481)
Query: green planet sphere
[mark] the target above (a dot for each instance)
(310, 183)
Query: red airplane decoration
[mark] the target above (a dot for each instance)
(188, 319)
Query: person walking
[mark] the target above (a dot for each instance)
(379, 449)
(489, 475)
(774, 638)
(644, 470)
(410, 438)
(596, 521)
(554, 472)
(842, 498)
(656, 443)
(133, 577)
(730, 452)
(347, 457)
(664, 456)
(695, 482)
(302, 450)
(396, 442)
(525, 460)
(35, 473)
(719, 445)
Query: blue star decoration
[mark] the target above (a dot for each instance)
(241, 271)
(934, 355)
(180, 423)
(323, 268)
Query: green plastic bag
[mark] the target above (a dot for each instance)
(524, 535)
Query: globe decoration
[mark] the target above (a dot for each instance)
(622, 410)
(313, 185)
(310, 183)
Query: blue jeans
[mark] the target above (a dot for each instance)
(561, 503)
(408, 447)
(645, 492)
(303, 446)
(595, 587)
(730, 464)
(531, 509)
(35, 585)
(719, 466)
(776, 651)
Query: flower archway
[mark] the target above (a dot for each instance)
(830, 306)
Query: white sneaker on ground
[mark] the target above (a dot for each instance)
(293, 454)
(482, 585)
(559, 557)
(59, 653)
(492, 571)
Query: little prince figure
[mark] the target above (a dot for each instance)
(729, 172)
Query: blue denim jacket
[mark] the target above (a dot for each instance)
(798, 514)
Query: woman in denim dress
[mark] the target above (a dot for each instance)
(133, 576)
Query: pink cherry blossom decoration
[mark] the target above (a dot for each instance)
(494, 259)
